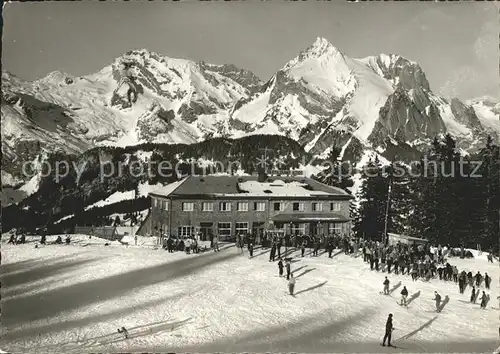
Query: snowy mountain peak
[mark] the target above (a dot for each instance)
(321, 50)
(322, 46)
(398, 70)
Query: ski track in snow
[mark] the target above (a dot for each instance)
(235, 303)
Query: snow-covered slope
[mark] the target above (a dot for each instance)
(140, 97)
(320, 98)
(226, 302)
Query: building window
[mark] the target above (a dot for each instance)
(242, 206)
(277, 206)
(165, 205)
(334, 206)
(317, 207)
(207, 206)
(298, 206)
(187, 206)
(225, 206)
(334, 228)
(185, 231)
(241, 228)
(298, 229)
(224, 229)
(259, 206)
(155, 202)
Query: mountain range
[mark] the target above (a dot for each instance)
(381, 104)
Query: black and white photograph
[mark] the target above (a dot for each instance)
(250, 177)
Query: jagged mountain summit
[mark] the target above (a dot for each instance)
(320, 98)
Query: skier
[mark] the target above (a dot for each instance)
(12, 239)
(487, 280)
(215, 243)
(437, 298)
(440, 272)
(280, 267)
(288, 272)
(329, 247)
(414, 273)
(388, 331)
(461, 283)
(404, 295)
(455, 274)
(302, 248)
(484, 300)
(389, 263)
(479, 279)
(124, 331)
(473, 295)
(272, 254)
(291, 284)
(386, 286)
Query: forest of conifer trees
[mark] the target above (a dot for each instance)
(445, 197)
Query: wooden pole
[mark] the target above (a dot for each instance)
(384, 236)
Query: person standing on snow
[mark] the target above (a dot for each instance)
(473, 295)
(280, 267)
(461, 283)
(388, 331)
(487, 280)
(215, 243)
(386, 286)
(250, 249)
(479, 279)
(484, 300)
(437, 298)
(291, 284)
(288, 271)
(272, 254)
(404, 295)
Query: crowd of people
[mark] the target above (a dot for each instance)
(19, 238)
(423, 262)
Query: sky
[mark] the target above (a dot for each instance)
(456, 44)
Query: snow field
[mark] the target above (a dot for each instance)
(224, 298)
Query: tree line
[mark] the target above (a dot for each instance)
(444, 197)
(82, 184)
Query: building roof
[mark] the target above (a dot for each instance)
(232, 186)
(406, 237)
(169, 188)
(308, 217)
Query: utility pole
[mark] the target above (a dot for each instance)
(389, 189)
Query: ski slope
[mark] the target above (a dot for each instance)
(73, 299)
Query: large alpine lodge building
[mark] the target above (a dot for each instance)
(229, 205)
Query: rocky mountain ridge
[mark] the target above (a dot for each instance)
(320, 98)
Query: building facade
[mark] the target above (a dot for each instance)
(231, 205)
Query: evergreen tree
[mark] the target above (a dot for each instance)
(370, 218)
(337, 173)
(400, 198)
(487, 178)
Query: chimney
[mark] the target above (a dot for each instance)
(262, 177)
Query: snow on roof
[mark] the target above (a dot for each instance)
(169, 188)
(278, 187)
(233, 186)
(406, 237)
